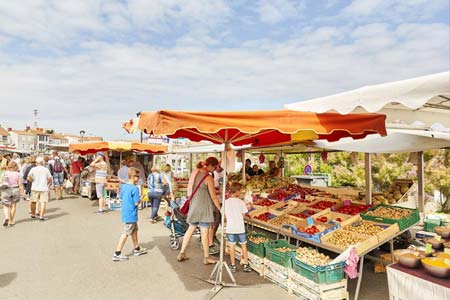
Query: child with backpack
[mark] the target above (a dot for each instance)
(130, 196)
(235, 209)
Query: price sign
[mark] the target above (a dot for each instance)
(447, 250)
(438, 238)
(428, 248)
(310, 221)
(347, 202)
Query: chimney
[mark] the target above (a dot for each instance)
(9, 129)
(27, 128)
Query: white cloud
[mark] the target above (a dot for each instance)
(274, 11)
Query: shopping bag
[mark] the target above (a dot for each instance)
(68, 184)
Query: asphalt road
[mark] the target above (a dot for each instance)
(69, 257)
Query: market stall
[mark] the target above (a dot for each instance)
(112, 184)
(266, 128)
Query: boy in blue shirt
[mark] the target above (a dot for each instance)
(129, 194)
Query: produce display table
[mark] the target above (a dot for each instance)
(289, 235)
(405, 283)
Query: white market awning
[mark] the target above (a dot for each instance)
(397, 140)
(424, 99)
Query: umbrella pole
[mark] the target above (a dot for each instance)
(216, 276)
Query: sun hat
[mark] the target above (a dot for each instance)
(101, 154)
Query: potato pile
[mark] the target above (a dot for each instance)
(312, 257)
(258, 239)
(393, 194)
(364, 227)
(283, 249)
(344, 238)
(281, 220)
(394, 213)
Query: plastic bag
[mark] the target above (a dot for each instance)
(68, 184)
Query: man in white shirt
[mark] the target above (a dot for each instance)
(40, 179)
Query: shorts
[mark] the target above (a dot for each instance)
(201, 224)
(58, 179)
(129, 228)
(10, 196)
(41, 197)
(233, 237)
(76, 177)
(100, 190)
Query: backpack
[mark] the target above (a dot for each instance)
(58, 166)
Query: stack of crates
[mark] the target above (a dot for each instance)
(307, 289)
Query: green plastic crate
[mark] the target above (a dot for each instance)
(430, 224)
(403, 223)
(257, 249)
(324, 274)
(281, 258)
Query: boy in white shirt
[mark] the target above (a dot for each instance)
(235, 209)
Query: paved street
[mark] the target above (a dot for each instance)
(69, 257)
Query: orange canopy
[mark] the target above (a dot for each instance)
(90, 148)
(258, 128)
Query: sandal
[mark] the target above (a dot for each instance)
(6, 222)
(208, 261)
(181, 257)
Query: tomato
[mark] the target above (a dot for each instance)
(323, 205)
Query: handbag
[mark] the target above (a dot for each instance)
(184, 210)
(4, 184)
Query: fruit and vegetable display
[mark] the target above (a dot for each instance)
(264, 217)
(258, 239)
(312, 257)
(393, 194)
(263, 183)
(264, 202)
(323, 204)
(280, 195)
(394, 213)
(283, 220)
(313, 229)
(304, 214)
(284, 249)
(364, 227)
(353, 209)
(343, 238)
(300, 200)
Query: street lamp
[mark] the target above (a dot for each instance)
(82, 132)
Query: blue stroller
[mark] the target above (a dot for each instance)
(177, 224)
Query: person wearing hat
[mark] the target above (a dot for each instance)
(101, 171)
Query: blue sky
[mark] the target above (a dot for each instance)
(93, 64)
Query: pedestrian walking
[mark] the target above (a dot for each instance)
(129, 193)
(41, 179)
(101, 171)
(156, 183)
(123, 171)
(200, 213)
(11, 195)
(76, 167)
(58, 169)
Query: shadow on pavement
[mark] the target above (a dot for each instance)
(53, 209)
(55, 216)
(6, 279)
(193, 273)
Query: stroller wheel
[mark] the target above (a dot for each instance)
(174, 244)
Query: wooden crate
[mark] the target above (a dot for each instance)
(276, 273)
(282, 208)
(307, 289)
(361, 247)
(289, 220)
(346, 219)
(390, 231)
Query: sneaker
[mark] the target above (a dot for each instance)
(119, 257)
(246, 268)
(43, 218)
(140, 251)
(100, 211)
(153, 221)
(232, 268)
(5, 224)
